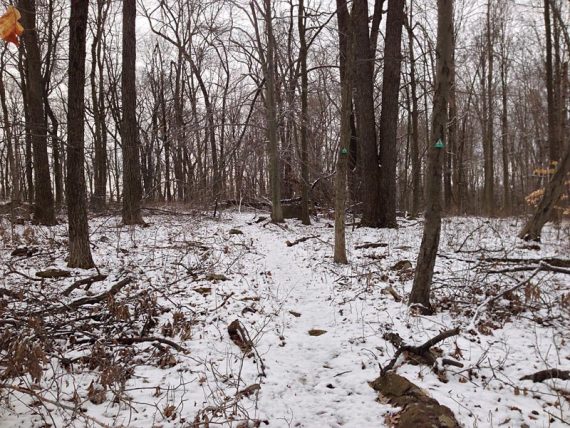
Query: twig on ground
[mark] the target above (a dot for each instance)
(298, 241)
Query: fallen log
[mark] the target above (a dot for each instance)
(298, 241)
(548, 374)
(418, 408)
(371, 245)
(551, 261)
(53, 273)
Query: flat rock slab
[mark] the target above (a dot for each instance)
(418, 409)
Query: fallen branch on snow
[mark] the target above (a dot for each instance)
(551, 261)
(422, 350)
(298, 241)
(84, 281)
(548, 374)
(89, 300)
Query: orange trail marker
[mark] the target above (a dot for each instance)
(10, 27)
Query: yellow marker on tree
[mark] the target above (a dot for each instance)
(10, 27)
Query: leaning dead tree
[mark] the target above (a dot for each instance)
(533, 227)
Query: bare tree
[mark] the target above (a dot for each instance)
(44, 210)
(365, 114)
(132, 187)
(390, 111)
(79, 249)
(267, 59)
(97, 81)
(346, 46)
(420, 294)
(488, 112)
(533, 227)
(303, 51)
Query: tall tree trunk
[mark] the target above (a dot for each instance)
(51, 49)
(132, 187)
(305, 219)
(505, 135)
(98, 200)
(420, 294)
(415, 144)
(346, 42)
(13, 156)
(390, 110)
(44, 211)
(268, 65)
(488, 144)
(451, 152)
(553, 145)
(79, 250)
(365, 117)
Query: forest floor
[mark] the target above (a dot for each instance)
(198, 322)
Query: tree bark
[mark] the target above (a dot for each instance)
(415, 145)
(390, 110)
(98, 199)
(488, 145)
(305, 219)
(365, 117)
(420, 294)
(79, 249)
(267, 59)
(132, 187)
(452, 160)
(553, 145)
(13, 156)
(505, 130)
(44, 210)
(346, 72)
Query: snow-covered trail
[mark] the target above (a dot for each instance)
(208, 273)
(314, 380)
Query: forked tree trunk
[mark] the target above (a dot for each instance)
(432, 227)
(44, 211)
(79, 249)
(132, 187)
